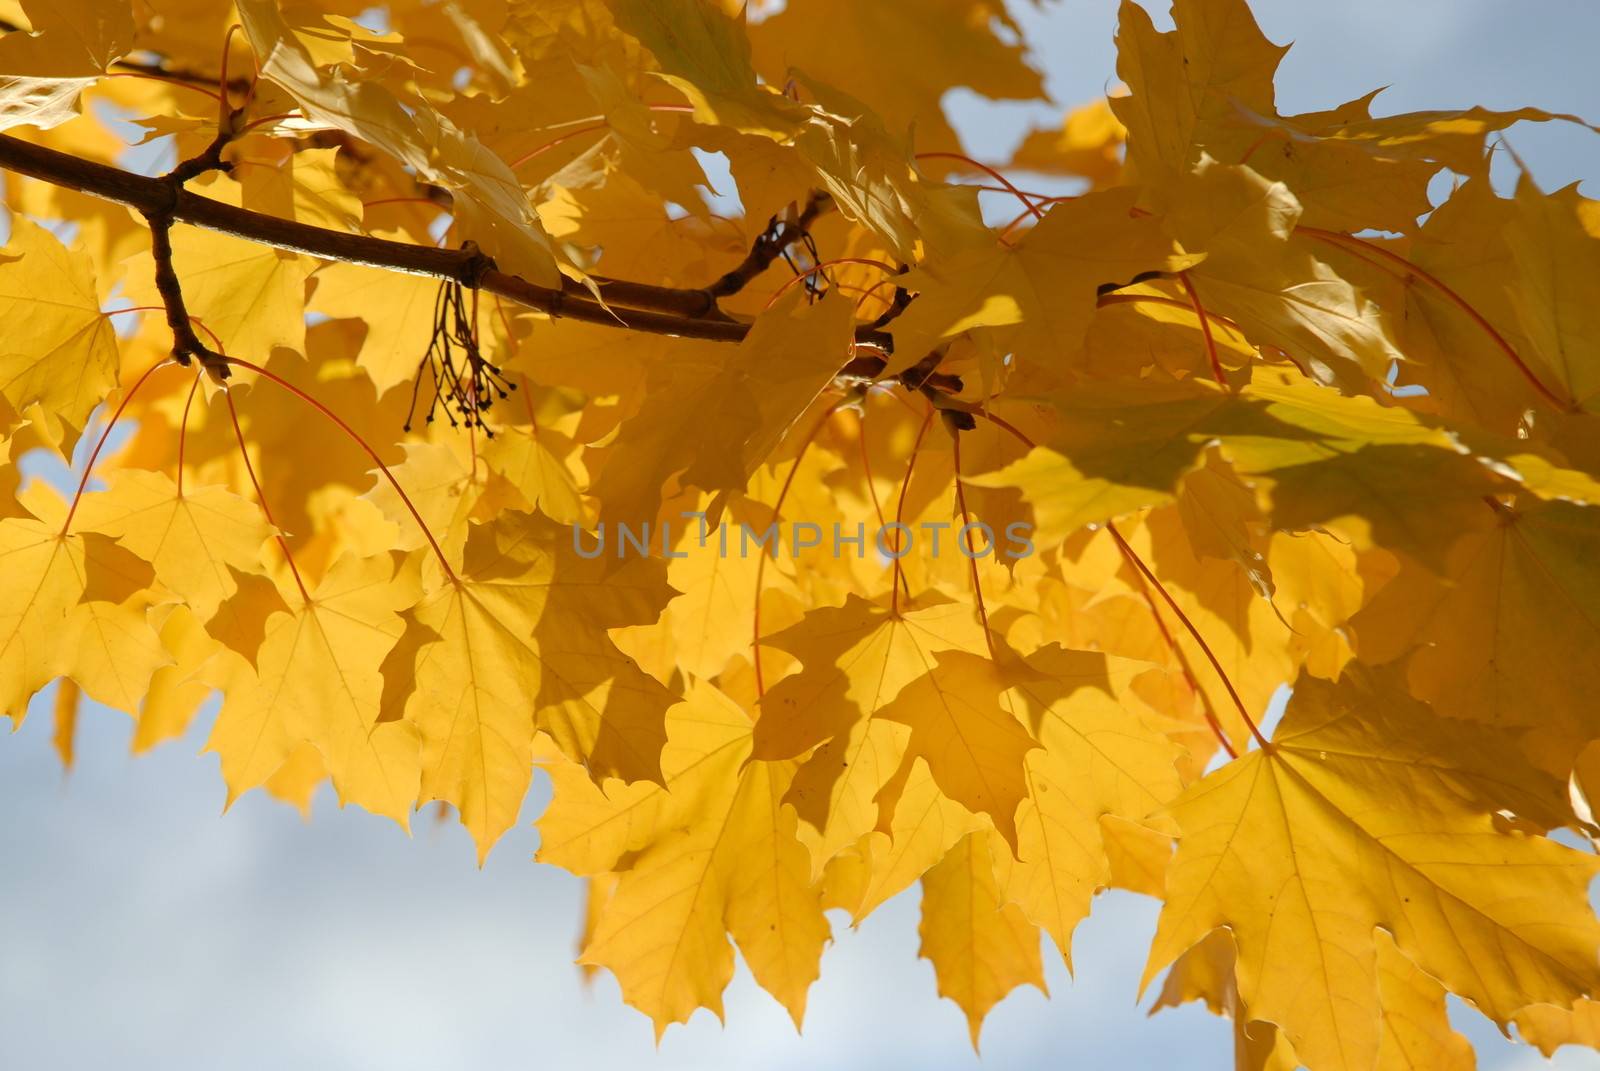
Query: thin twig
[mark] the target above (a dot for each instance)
(186, 345)
(769, 245)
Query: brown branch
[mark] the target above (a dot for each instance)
(629, 305)
(901, 302)
(186, 345)
(700, 303)
(770, 245)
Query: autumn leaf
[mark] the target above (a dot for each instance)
(1044, 287)
(981, 947)
(44, 579)
(861, 654)
(1099, 760)
(705, 53)
(712, 417)
(392, 348)
(952, 44)
(536, 656)
(194, 538)
(319, 672)
(975, 747)
(1374, 474)
(1292, 849)
(736, 870)
(490, 206)
(252, 297)
(69, 47)
(1511, 632)
(61, 352)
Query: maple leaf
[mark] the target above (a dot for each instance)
(490, 205)
(1415, 1029)
(1088, 145)
(1370, 472)
(1044, 286)
(1261, 273)
(861, 654)
(318, 671)
(61, 352)
(705, 53)
(1215, 61)
(44, 579)
(975, 748)
(69, 47)
(194, 537)
(517, 643)
(1368, 812)
(392, 348)
(709, 853)
(712, 417)
(1509, 638)
(108, 648)
(251, 296)
(535, 463)
(1099, 761)
(952, 43)
(303, 186)
(981, 947)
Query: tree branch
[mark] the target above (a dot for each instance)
(769, 246)
(186, 345)
(629, 305)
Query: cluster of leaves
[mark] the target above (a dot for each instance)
(1275, 416)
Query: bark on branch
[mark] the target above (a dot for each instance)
(629, 305)
(186, 345)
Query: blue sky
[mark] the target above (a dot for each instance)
(141, 928)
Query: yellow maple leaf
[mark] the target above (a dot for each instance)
(857, 658)
(251, 296)
(1088, 144)
(514, 643)
(981, 947)
(70, 45)
(490, 206)
(1510, 637)
(705, 54)
(1100, 758)
(901, 55)
(1265, 277)
(1366, 813)
(1375, 474)
(1043, 287)
(975, 747)
(42, 579)
(710, 419)
(1415, 1029)
(59, 350)
(710, 854)
(319, 675)
(1174, 103)
(399, 314)
(917, 827)
(194, 538)
(107, 645)
(1549, 1027)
